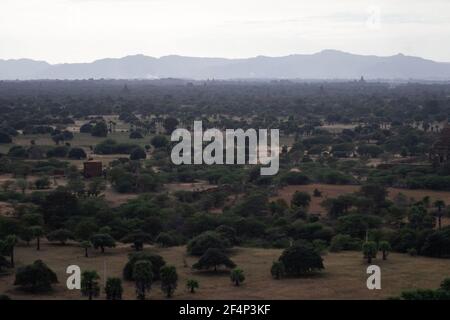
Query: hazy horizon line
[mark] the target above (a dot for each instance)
(218, 57)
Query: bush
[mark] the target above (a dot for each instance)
(42, 183)
(58, 152)
(100, 130)
(300, 199)
(77, 154)
(113, 289)
(165, 240)
(36, 277)
(159, 141)
(136, 135)
(277, 271)
(301, 259)
(110, 146)
(86, 128)
(344, 242)
(294, 178)
(138, 154)
(5, 138)
(437, 244)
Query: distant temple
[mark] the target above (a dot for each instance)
(440, 151)
(93, 169)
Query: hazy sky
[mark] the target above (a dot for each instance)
(85, 30)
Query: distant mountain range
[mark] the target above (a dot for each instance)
(327, 64)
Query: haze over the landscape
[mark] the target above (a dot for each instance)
(68, 31)
(327, 64)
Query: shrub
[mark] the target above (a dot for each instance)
(138, 154)
(159, 141)
(36, 277)
(113, 289)
(100, 130)
(5, 138)
(277, 271)
(136, 135)
(77, 154)
(294, 178)
(301, 259)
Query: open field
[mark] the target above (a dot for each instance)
(344, 276)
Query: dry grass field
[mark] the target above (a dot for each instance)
(333, 191)
(344, 276)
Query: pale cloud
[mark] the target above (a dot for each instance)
(85, 30)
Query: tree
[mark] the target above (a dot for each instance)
(300, 199)
(36, 277)
(22, 184)
(369, 249)
(209, 239)
(165, 240)
(89, 284)
(385, 247)
(113, 289)
(37, 232)
(437, 243)
(7, 247)
(213, 258)
(157, 262)
(137, 238)
(86, 245)
(301, 259)
(102, 241)
(237, 276)
(143, 277)
(277, 271)
(26, 234)
(77, 154)
(60, 235)
(439, 204)
(85, 229)
(86, 128)
(138, 154)
(169, 279)
(192, 284)
(375, 192)
(100, 129)
(170, 124)
(5, 138)
(4, 264)
(159, 141)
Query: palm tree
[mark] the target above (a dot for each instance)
(143, 277)
(237, 276)
(439, 204)
(37, 232)
(192, 284)
(385, 247)
(369, 250)
(89, 284)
